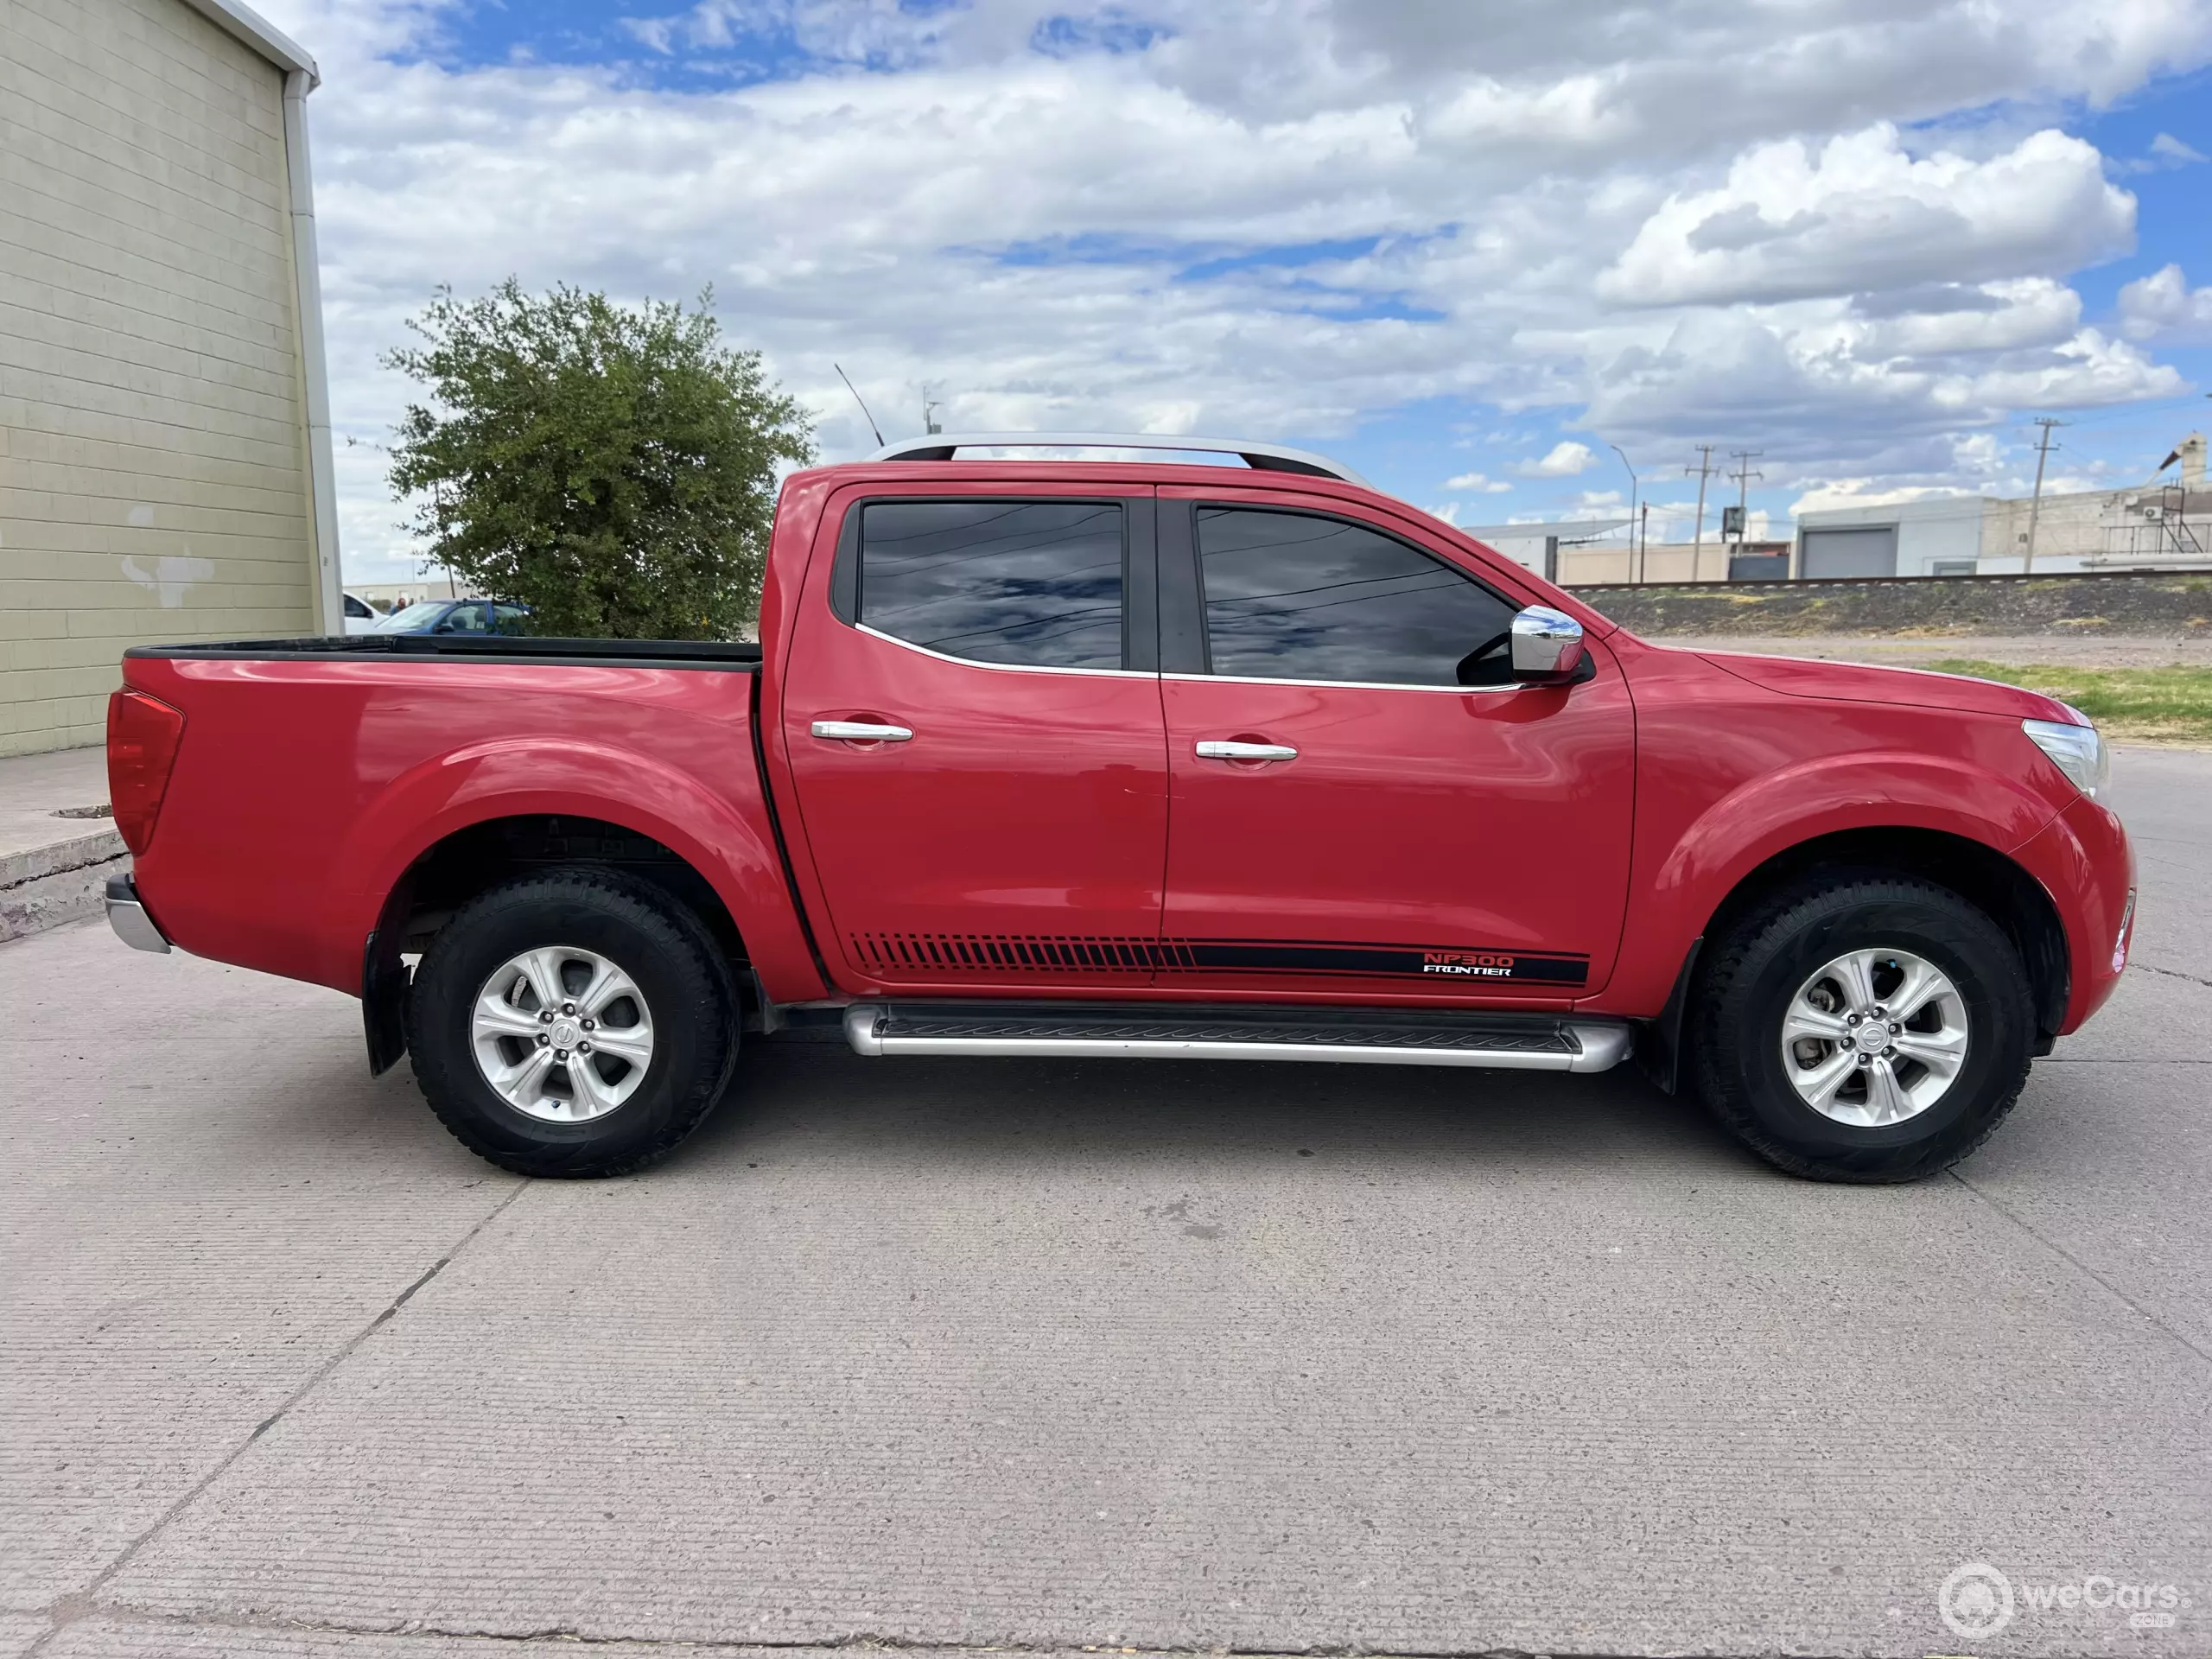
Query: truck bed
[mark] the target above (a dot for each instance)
(316, 777)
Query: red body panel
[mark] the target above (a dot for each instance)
(1427, 844)
(303, 790)
(1607, 820)
(1015, 845)
(1730, 774)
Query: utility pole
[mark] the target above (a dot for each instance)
(1643, 543)
(2035, 505)
(1632, 486)
(1704, 470)
(929, 413)
(1744, 458)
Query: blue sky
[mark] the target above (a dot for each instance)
(1467, 249)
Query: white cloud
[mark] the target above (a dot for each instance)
(1863, 492)
(1789, 223)
(1566, 458)
(2164, 306)
(1476, 481)
(2170, 150)
(1080, 238)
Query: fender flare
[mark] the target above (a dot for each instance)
(1769, 814)
(519, 777)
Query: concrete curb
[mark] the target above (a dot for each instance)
(44, 887)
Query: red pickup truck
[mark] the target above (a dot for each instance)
(1047, 757)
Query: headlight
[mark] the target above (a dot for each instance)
(2077, 751)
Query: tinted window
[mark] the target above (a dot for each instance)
(1034, 582)
(1291, 596)
(358, 607)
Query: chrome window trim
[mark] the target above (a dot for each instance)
(1003, 668)
(1353, 685)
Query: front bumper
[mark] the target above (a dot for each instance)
(128, 917)
(2086, 865)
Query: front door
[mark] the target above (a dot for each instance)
(972, 716)
(1363, 807)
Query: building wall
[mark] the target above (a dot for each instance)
(1586, 567)
(2101, 529)
(154, 478)
(1946, 531)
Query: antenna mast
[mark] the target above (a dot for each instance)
(857, 399)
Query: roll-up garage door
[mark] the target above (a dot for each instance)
(1870, 551)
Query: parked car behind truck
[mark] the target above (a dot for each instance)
(1104, 758)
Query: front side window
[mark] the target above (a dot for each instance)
(1296, 596)
(1033, 583)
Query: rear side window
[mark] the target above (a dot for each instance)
(1296, 596)
(1033, 583)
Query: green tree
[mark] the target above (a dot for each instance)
(613, 469)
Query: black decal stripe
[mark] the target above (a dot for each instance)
(999, 953)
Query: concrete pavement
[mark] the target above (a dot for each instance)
(1055, 1356)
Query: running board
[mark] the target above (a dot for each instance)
(1359, 1036)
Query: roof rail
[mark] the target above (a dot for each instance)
(1260, 457)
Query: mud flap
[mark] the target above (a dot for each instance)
(1659, 1042)
(384, 980)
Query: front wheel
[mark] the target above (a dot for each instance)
(1862, 1028)
(576, 1023)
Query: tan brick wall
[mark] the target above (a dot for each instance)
(153, 459)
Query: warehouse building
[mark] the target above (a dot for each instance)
(165, 468)
(2163, 525)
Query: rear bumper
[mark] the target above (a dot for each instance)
(128, 917)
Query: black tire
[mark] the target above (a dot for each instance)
(1754, 969)
(683, 977)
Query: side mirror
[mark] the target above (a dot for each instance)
(1547, 646)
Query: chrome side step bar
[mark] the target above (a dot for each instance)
(1360, 1037)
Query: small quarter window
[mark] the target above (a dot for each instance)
(1033, 583)
(1296, 596)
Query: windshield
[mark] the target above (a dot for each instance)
(414, 617)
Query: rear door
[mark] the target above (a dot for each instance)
(1424, 828)
(972, 718)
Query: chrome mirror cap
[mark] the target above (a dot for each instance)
(1547, 646)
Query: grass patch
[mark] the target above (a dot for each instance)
(2169, 704)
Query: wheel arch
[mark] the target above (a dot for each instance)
(1997, 886)
(1994, 884)
(467, 861)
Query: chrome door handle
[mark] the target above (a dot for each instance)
(862, 731)
(1224, 750)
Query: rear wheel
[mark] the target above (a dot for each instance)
(576, 1023)
(1863, 1027)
